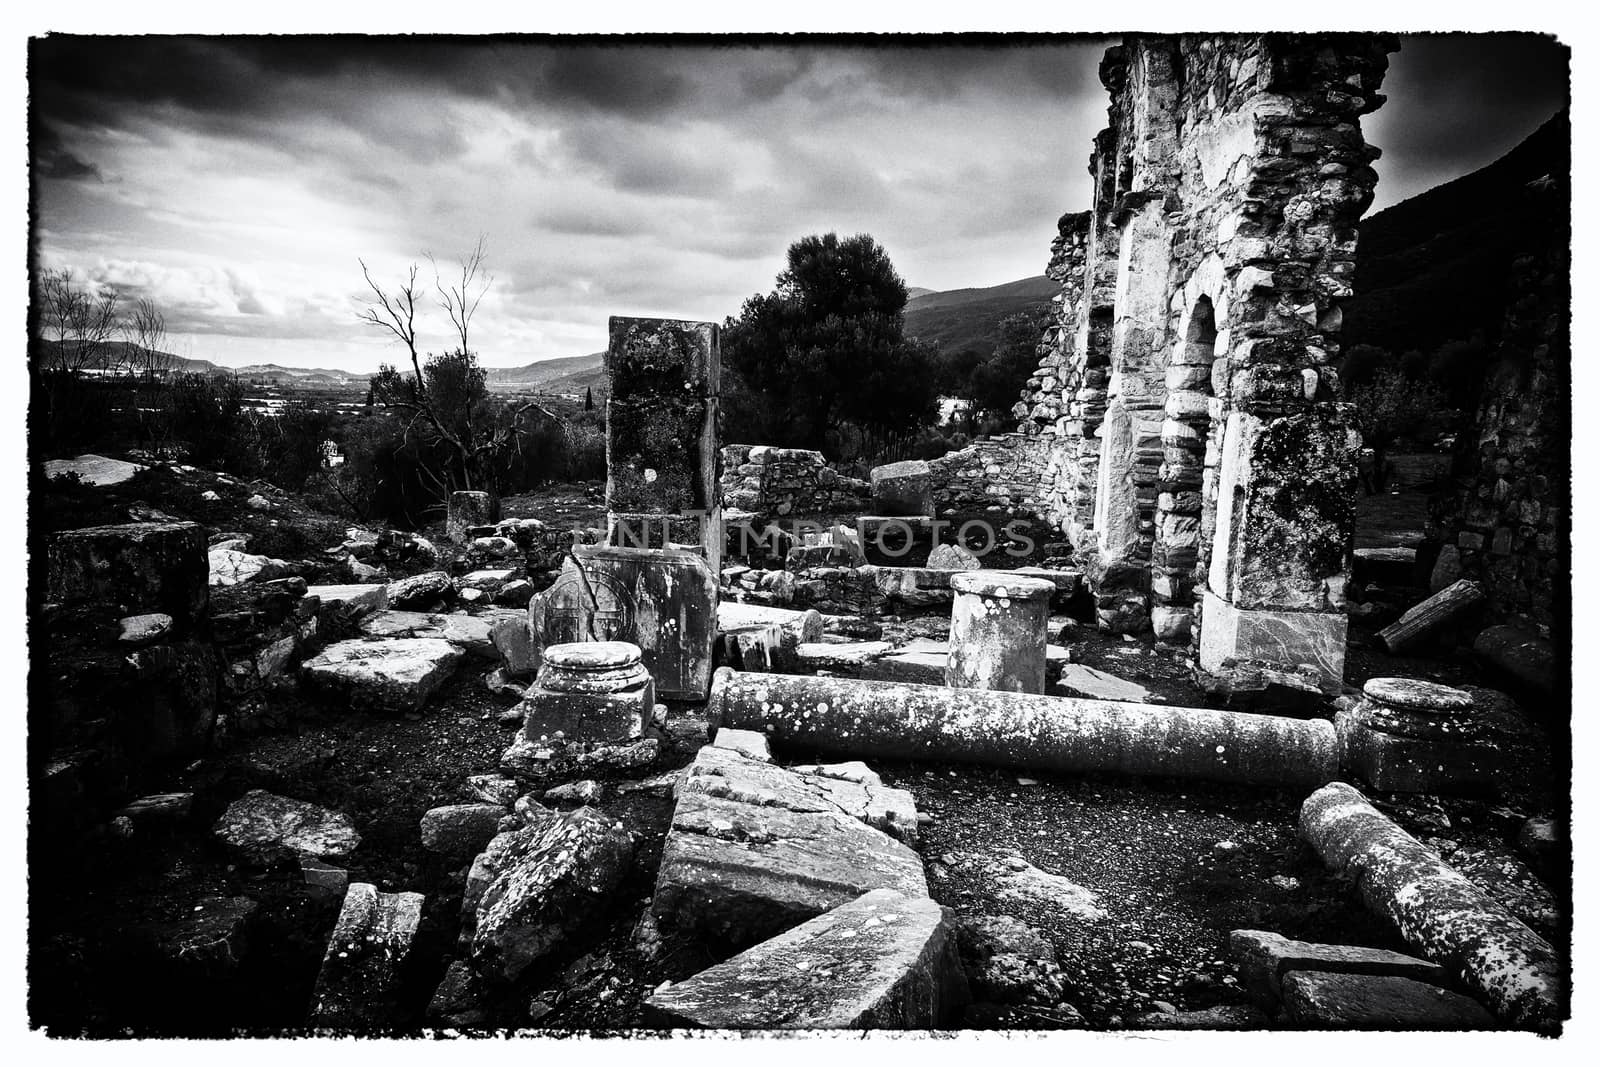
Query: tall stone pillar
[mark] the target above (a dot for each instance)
(661, 436)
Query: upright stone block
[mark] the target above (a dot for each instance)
(134, 568)
(663, 601)
(360, 981)
(661, 428)
(468, 509)
(997, 631)
(1292, 639)
(904, 488)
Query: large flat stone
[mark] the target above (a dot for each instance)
(720, 770)
(881, 961)
(227, 566)
(754, 850)
(388, 676)
(359, 984)
(1321, 1000)
(1264, 957)
(92, 469)
(354, 600)
(264, 829)
(1083, 680)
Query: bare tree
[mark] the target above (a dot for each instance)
(145, 331)
(447, 399)
(79, 325)
(396, 314)
(458, 300)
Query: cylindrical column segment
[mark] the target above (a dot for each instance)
(899, 720)
(1438, 911)
(997, 631)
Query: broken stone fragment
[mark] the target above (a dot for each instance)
(420, 592)
(755, 849)
(457, 831)
(458, 1000)
(576, 794)
(359, 983)
(953, 558)
(880, 961)
(323, 880)
(227, 567)
(1265, 957)
(139, 630)
(494, 789)
(515, 593)
(470, 633)
(159, 807)
(1221, 1017)
(1010, 962)
(383, 676)
(502, 685)
(1323, 1000)
(552, 879)
(265, 829)
(535, 761)
(514, 642)
(352, 601)
(747, 743)
(209, 940)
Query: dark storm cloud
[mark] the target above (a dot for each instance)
(241, 176)
(54, 160)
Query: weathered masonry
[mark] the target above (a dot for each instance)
(1186, 403)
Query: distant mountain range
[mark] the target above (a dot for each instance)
(956, 318)
(961, 319)
(568, 374)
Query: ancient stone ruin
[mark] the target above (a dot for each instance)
(1068, 729)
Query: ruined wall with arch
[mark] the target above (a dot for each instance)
(1201, 463)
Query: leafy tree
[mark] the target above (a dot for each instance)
(826, 348)
(996, 383)
(1390, 404)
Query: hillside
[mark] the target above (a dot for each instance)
(965, 319)
(1436, 267)
(551, 375)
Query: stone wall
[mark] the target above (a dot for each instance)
(1006, 473)
(1505, 521)
(772, 482)
(1199, 452)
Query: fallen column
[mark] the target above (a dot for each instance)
(1443, 606)
(997, 632)
(900, 720)
(1439, 912)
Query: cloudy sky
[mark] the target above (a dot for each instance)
(237, 181)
